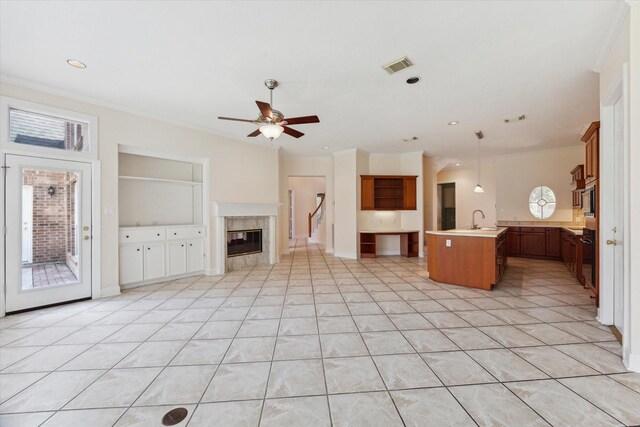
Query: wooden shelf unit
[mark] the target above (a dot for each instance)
(409, 243)
(388, 192)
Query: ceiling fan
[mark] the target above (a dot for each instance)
(273, 123)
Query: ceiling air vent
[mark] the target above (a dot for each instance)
(398, 65)
(515, 119)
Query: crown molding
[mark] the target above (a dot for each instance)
(63, 93)
(614, 29)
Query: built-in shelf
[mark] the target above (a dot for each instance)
(144, 178)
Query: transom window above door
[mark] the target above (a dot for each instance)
(47, 131)
(26, 127)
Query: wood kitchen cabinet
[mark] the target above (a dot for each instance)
(532, 241)
(388, 192)
(577, 186)
(552, 243)
(591, 140)
(513, 241)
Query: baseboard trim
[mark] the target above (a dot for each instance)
(111, 291)
(346, 255)
(633, 362)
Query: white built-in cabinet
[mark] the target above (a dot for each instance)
(161, 212)
(154, 253)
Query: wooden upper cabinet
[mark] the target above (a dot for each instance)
(366, 191)
(388, 192)
(577, 178)
(591, 140)
(410, 197)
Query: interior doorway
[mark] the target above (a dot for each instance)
(447, 206)
(307, 210)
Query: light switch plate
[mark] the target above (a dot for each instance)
(447, 243)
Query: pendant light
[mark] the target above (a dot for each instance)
(479, 188)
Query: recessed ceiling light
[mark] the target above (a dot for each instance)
(457, 164)
(453, 123)
(413, 80)
(75, 63)
(325, 147)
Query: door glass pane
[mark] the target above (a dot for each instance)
(26, 127)
(50, 228)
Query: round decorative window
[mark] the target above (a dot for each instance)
(542, 202)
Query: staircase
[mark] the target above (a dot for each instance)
(316, 220)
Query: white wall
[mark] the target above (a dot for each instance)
(239, 171)
(517, 174)
(346, 191)
(305, 189)
(466, 200)
(306, 166)
(430, 193)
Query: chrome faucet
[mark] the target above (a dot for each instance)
(474, 226)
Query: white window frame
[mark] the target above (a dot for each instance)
(7, 103)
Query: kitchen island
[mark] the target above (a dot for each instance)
(474, 258)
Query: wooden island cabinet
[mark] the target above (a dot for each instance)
(473, 258)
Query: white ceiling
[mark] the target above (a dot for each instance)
(189, 62)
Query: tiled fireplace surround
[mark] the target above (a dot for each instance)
(241, 216)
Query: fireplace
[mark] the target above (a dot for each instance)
(244, 242)
(232, 217)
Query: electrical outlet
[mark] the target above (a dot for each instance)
(447, 243)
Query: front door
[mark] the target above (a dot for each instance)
(57, 236)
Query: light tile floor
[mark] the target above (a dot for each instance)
(320, 341)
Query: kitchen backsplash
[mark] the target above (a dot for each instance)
(578, 221)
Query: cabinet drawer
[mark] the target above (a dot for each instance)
(532, 229)
(197, 231)
(142, 235)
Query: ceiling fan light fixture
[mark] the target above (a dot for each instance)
(271, 130)
(478, 189)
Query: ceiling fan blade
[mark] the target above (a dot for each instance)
(236, 120)
(292, 132)
(302, 120)
(255, 133)
(265, 109)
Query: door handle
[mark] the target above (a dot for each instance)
(613, 242)
(86, 237)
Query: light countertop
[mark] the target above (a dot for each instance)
(388, 231)
(492, 233)
(577, 230)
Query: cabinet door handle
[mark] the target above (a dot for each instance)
(138, 249)
(158, 234)
(175, 234)
(127, 237)
(182, 246)
(190, 244)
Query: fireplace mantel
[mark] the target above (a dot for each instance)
(222, 210)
